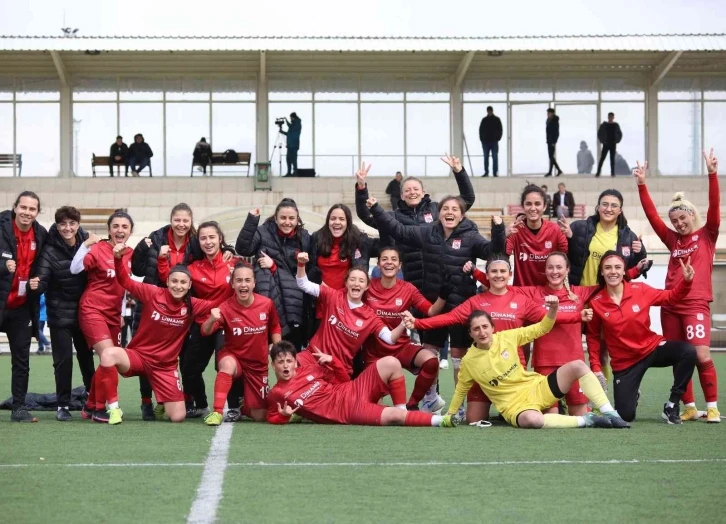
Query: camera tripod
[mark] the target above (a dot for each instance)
(278, 147)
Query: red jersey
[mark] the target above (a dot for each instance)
(27, 251)
(699, 246)
(176, 256)
(343, 330)
(530, 252)
(164, 321)
(313, 389)
(388, 305)
(210, 279)
(103, 293)
(247, 330)
(564, 342)
(626, 327)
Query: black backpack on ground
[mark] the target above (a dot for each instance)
(230, 156)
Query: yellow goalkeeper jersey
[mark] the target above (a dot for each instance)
(498, 370)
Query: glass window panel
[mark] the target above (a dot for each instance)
(631, 117)
(6, 87)
(94, 130)
(234, 96)
(424, 97)
(386, 166)
(576, 89)
(290, 95)
(37, 88)
(427, 129)
(336, 129)
(95, 89)
(485, 89)
(529, 145)
(305, 113)
(714, 114)
(336, 88)
(6, 135)
(336, 96)
(336, 165)
(679, 138)
(578, 123)
(38, 138)
(290, 88)
(187, 89)
(473, 114)
(185, 125)
(377, 87)
(621, 89)
(382, 130)
(679, 89)
(530, 89)
(147, 119)
(141, 88)
(233, 88)
(714, 88)
(233, 127)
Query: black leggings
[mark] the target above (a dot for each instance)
(196, 354)
(63, 340)
(16, 324)
(680, 355)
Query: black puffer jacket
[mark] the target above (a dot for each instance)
(368, 248)
(579, 246)
(279, 286)
(62, 289)
(444, 258)
(9, 251)
(426, 213)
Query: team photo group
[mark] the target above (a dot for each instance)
(301, 325)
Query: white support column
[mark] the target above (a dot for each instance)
(263, 152)
(651, 128)
(457, 107)
(67, 169)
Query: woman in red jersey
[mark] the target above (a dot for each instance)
(154, 349)
(210, 281)
(347, 320)
(99, 311)
(389, 297)
(690, 319)
(249, 322)
(622, 315)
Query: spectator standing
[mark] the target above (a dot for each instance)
(140, 154)
(490, 133)
(202, 155)
(563, 203)
(119, 154)
(43, 341)
(294, 129)
(609, 136)
(548, 202)
(552, 129)
(129, 304)
(394, 189)
(585, 160)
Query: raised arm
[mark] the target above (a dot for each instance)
(651, 212)
(463, 182)
(140, 257)
(83, 260)
(248, 240)
(527, 334)
(713, 216)
(675, 296)
(143, 292)
(361, 196)
(303, 283)
(388, 223)
(484, 248)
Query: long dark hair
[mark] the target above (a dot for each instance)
(214, 225)
(299, 228)
(181, 206)
(533, 188)
(351, 238)
(621, 221)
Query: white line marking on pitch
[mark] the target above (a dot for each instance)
(209, 492)
(220, 465)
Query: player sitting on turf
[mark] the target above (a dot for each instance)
(321, 391)
(519, 395)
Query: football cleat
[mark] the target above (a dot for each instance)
(616, 420)
(147, 412)
(86, 412)
(595, 421)
(670, 415)
(213, 419)
(115, 416)
(100, 416)
(433, 406)
(63, 415)
(690, 413)
(233, 415)
(159, 412)
(22, 415)
(713, 416)
(449, 421)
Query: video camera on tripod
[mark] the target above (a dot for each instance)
(280, 121)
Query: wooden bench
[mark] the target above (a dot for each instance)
(10, 160)
(95, 219)
(580, 211)
(243, 159)
(482, 217)
(104, 161)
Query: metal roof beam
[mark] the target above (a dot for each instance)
(463, 68)
(60, 68)
(662, 69)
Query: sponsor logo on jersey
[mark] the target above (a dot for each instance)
(333, 320)
(387, 314)
(310, 378)
(263, 316)
(254, 330)
(32, 245)
(357, 254)
(184, 310)
(548, 245)
(428, 218)
(505, 354)
(496, 315)
(677, 253)
(155, 315)
(456, 244)
(699, 316)
(299, 403)
(524, 257)
(508, 372)
(169, 321)
(236, 331)
(636, 308)
(399, 301)
(308, 392)
(494, 383)
(626, 251)
(110, 273)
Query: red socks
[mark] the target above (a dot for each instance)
(222, 385)
(418, 418)
(91, 402)
(709, 383)
(397, 388)
(425, 379)
(146, 400)
(108, 383)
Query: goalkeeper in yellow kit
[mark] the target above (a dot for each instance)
(519, 395)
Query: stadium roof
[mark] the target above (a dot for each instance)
(602, 43)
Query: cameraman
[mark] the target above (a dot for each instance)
(294, 128)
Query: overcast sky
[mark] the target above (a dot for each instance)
(362, 18)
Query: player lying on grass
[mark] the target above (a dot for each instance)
(249, 320)
(320, 390)
(154, 349)
(519, 395)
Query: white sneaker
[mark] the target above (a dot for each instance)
(461, 414)
(433, 406)
(444, 364)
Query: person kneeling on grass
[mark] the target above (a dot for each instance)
(519, 395)
(320, 390)
(154, 349)
(248, 319)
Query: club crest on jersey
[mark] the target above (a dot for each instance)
(359, 323)
(399, 301)
(263, 316)
(636, 308)
(155, 315)
(699, 316)
(694, 238)
(626, 251)
(513, 305)
(32, 245)
(204, 279)
(310, 378)
(505, 354)
(548, 245)
(428, 218)
(357, 254)
(456, 244)
(110, 273)
(184, 310)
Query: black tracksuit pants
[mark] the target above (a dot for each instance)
(63, 340)
(17, 325)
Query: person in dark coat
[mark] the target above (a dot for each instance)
(415, 208)
(490, 133)
(563, 202)
(585, 160)
(275, 244)
(21, 242)
(294, 129)
(140, 154)
(448, 244)
(63, 292)
(394, 190)
(609, 136)
(202, 154)
(118, 154)
(552, 132)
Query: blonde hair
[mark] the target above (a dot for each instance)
(680, 203)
